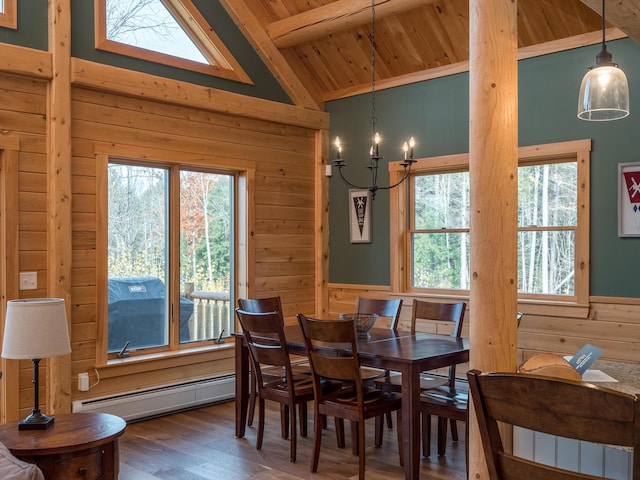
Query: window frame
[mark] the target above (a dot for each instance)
(401, 202)
(243, 174)
(8, 16)
(222, 62)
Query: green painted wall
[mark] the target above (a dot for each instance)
(436, 114)
(32, 28)
(265, 85)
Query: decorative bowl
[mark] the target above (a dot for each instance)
(363, 321)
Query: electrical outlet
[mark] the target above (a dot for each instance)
(28, 280)
(83, 382)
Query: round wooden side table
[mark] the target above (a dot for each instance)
(77, 446)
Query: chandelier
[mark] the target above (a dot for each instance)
(374, 151)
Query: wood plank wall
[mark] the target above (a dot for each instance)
(23, 114)
(612, 324)
(284, 158)
(283, 237)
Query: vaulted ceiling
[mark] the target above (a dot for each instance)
(321, 49)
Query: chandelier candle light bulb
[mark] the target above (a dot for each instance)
(408, 148)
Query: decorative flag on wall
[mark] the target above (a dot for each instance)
(632, 180)
(359, 216)
(360, 204)
(629, 200)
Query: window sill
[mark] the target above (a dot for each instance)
(548, 307)
(157, 361)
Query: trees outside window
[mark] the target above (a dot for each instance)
(148, 24)
(552, 226)
(169, 32)
(158, 298)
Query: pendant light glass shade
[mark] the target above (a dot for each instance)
(604, 93)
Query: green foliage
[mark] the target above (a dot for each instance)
(547, 216)
(139, 232)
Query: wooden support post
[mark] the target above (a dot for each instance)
(9, 381)
(493, 162)
(59, 192)
(321, 227)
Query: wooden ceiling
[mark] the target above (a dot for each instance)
(321, 49)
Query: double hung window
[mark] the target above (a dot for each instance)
(552, 227)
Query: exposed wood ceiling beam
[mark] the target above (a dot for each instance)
(271, 56)
(106, 78)
(624, 15)
(523, 53)
(334, 17)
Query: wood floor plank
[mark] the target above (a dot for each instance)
(200, 444)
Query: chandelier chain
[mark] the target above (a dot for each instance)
(373, 68)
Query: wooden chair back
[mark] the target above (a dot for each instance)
(264, 333)
(382, 307)
(260, 305)
(342, 333)
(441, 312)
(554, 406)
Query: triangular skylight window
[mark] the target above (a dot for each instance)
(172, 32)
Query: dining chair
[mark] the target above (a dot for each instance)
(301, 367)
(452, 317)
(265, 338)
(447, 401)
(390, 309)
(353, 401)
(554, 406)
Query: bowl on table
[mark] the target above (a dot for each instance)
(363, 322)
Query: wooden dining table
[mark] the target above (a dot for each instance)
(399, 351)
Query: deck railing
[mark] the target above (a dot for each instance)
(212, 314)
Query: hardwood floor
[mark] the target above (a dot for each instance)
(201, 445)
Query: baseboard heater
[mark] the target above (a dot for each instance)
(139, 404)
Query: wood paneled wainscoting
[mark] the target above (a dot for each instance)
(611, 323)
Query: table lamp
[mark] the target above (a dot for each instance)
(35, 329)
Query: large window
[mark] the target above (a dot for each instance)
(170, 251)
(552, 227)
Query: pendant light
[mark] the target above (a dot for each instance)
(604, 93)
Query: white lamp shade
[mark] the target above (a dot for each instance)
(36, 328)
(604, 94)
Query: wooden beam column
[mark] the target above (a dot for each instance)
(321, 220)
(493, 162)
(59, 192)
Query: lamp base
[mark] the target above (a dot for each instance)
(36, 421)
